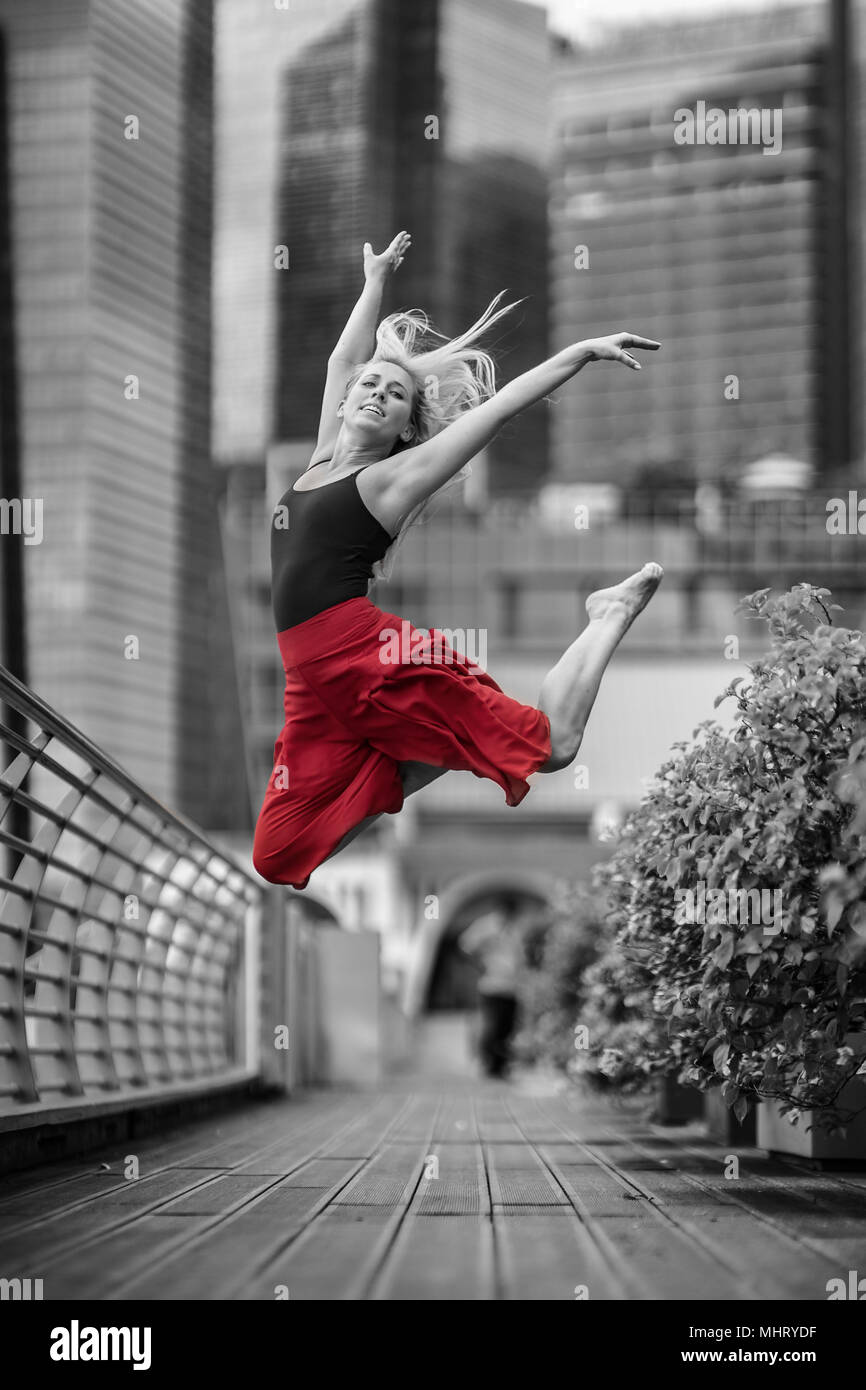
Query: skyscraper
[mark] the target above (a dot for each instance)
(431, 117)
(855, 55)
(110, 122)
(731, 254)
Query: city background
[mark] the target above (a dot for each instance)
(161, 378)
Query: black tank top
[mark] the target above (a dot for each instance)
(324, 543)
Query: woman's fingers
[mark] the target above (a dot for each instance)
(629, 361)
(398, 248)
(393, 253)
(613, 348)
(632, 340)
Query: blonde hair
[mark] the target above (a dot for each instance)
(449, 376)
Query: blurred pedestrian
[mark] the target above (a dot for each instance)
(496, 942)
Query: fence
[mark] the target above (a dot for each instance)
(129, 942)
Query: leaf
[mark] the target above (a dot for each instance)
(857, 921)
(793, 1024)
(720, 1057)
(753, 943)
(835, 908)
(741, 1107)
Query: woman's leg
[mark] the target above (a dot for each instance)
(568, 691)
(414, 776)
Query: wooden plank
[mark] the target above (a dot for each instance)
(767, 1261)
(417, 1122)
(219, 1261)
(800, 1202)
(440, 1258)
(455, 1123)
(598, 1193)
(327, 1260)
(288, 1151)
(245, 1259)
(54, 1200)
(495, 1124)
(387, 1180)
(75, 1230)
(154, 1156)
(517, 1176)
(582, 1195)
(222, 1193)
(339, 1253)
(322, 1172)
(549, 1256)
(127, 1245)
(461, 1187)
(361, 1139)
(656, 1257)
(93, 1270)
(71, 1231)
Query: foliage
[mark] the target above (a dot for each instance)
(560, 946)
(773, 1009)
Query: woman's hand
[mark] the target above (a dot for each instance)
(379, 267)
(613, 348)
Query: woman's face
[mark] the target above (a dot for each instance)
(380, 403)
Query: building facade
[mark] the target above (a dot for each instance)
(728, 247)
(109, 120)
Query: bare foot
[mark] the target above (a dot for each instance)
(625, 600)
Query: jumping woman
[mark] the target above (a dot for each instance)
(404, 411)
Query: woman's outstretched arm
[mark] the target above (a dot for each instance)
(416, 473)
(358, 339)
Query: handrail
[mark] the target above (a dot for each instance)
(129, 940)
(27, 702)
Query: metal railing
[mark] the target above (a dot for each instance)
(129, 942)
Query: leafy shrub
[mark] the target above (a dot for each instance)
(560, 947)
(773, 1009)
(625, 1035)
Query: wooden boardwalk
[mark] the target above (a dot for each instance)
(458, 1190)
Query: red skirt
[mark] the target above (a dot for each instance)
(354, 713)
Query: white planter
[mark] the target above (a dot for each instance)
(778, 1135)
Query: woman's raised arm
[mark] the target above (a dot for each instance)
(358, 339)
(415, 474)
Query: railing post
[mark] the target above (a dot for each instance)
(275, 1060)
(249, 993)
